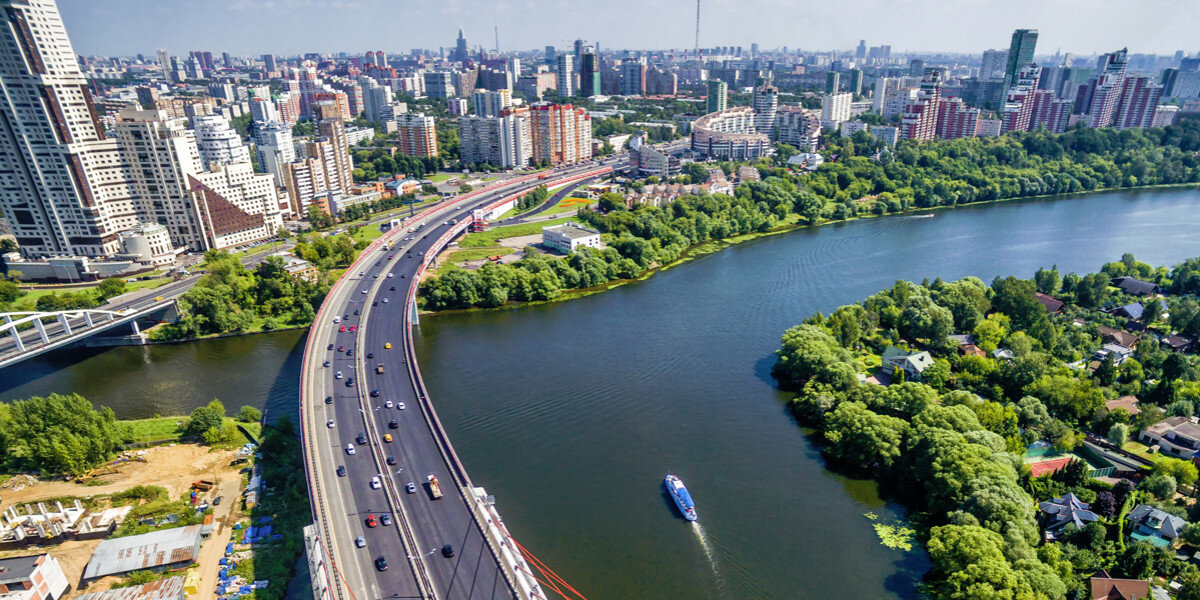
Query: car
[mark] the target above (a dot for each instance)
(350, 382)
(355, 327)
(342, 329)
(387, 437)
(337, 319)
(375, 276)
(338, 375)
(360, 541)
(342, 348)
(371, 522)
(385, 300)
(387, 346)
(390, 256)
(380, 563)
(403, 276)
(356, 311)
(361, 439)
(378, 262)
(401, 406)
(390, 275)
(376, 483)
(350, 449)
(391, 460)
(387, 404)
(341, 470)
(374, 393)
(328, 399)
(411, 488)
(217, 500)
(393, 424)
(361, 274)
(326, 363)
(350, 352)
(346, 316)
(448, 551)
(364, 292)
(370, 355)
(375, 303)
(393, 288)
(385, 520)
(330, 347)
(330, 424)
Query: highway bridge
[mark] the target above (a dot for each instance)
(365, 414)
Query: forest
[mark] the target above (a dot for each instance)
(860, 178)
(951, 442)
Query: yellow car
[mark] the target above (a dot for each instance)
(387, 346)
(387, 437)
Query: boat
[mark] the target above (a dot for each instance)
(681, 497)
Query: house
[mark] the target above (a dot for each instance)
(962, 339)
(1106, 588)
(1003, 354)
(1135, 310)
(1154, 526)
(1116, 352)
(912, 363)
(567, 237)
(1108, 335)
(1134, 286)
(33, 577)
(1052, 304)
(1178, 343)
(1129, 403)
(1178, 437)
(972, 350)
(1065, 510)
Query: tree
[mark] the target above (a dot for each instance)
(113, 286)
(1152, 309)
(249, 414)
(863, 439)
(58, 434)
(1182, 471)
(1105, 504)
(1118, 434)
(204, 418)
(1160, 485)
(223, 434)
(1017, 298)
(429, 188)
(809, 352)
(1048, 282)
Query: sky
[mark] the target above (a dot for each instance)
(287, 27)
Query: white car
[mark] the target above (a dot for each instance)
(401, 406)
(350, 449)
(411, 487)
(360, 542)
(388, 404)
(329, 424)
(390, 275)
(364, 291)
(376, 483)
(337, 319)
(385, 300)
(338, 376)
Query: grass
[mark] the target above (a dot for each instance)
(461, 256)
(492, 237)
(167, 428)
(29, 300)
(258, 250)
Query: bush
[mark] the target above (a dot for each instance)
(249, 414)
(204, 418)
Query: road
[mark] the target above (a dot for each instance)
(376, 288)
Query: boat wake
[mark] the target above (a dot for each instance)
(710, 554)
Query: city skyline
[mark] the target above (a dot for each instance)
(244, 27)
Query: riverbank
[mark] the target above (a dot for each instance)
(709, 247)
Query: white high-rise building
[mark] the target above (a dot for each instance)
(263, 110)
(884, 86)
(835, 108)
(160, 152)
(993, 65)
(502, 142)
(219, 144)
(275, 148)
(63, 188)
(766, 103)
(378, 102)
(565, 75)
(235, 204)
(490, 103)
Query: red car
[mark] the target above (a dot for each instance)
(354, 328)
(390, 256)
(342, 329)
(371, 521)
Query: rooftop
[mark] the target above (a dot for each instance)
(572, 231)
(170, 588)
(144, 551)
(18, 569)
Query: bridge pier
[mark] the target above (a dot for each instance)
(15, 334)
(66, 325)
(37, 323)
(416, 318)
(136, 331)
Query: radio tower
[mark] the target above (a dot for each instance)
(697, 28)
(497, 29)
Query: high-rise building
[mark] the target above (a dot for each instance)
(717, 96)
(461, 53)
(501, 141)
(860, 53)
(589, 75)
(456, 106)
(766, 103)
(490, 103)
(661, 82)
(920, 116)
(1139, 99)
(164, 64)
(835, 108)
(439, 84)
(418, 135)
(565, 75)
(235, 205)
(562, 134)
(916, 68)
(633, 77)
(1017, 112)
(332, 128)
(832, 82)
(955, 119)
(551, 57)
(378, 106)
(883, 87)
(263, 110)
(1020, 53)
(269, 63)
(1049, 112)
(994, 64)
(856, 80)
(63, 189)
(799, 127)
(274, 146)
(219, 144)
(579, 45)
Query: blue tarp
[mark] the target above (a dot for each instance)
(228, 549)
(223, 561)
(266, 519)
(223, 573)
(245, 589)
(264, 531)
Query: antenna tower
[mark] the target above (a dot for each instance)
(497, 28)
(697, 27)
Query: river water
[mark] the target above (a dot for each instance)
(572, 413)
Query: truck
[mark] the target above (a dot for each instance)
(435, 490)
(203, 485)
(379, 368)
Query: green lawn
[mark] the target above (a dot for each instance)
(461, 256)
(29, 300)
(167, 428)
(492, 237)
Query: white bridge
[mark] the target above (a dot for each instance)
(27, 334)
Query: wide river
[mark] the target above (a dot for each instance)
(572, 413)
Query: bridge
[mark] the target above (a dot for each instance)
(366, 416)
(24, 335)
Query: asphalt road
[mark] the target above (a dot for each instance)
(473, 572)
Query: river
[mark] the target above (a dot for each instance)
(572, 413)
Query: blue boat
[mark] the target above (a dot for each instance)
(681, 497)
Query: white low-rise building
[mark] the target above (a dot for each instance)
(569, 236)
(35, 577)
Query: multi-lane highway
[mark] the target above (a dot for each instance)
(369, 306)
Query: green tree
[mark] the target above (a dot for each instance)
(58, 434)
(1159, 485)
(113, 286)
(863, 439)
(210, 416)
(1118, 434)
(249, 414)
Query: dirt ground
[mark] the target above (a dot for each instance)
(173, 467)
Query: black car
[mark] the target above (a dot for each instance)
(350, 352)
(341, 471)
(370, 355)
(376, 303)
(361, 439)
(350, 382)
(328, 399)
(356, 311)
(447, 551)
(217, 500)
(330, 347)
(326, 363)
(393, 424)
(380, 563)
(374, 393)
(393, 288)
(391, 460)
(346, 317)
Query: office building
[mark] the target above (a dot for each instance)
(551, 57)
(916, 68)
(495, 79)
(262, 110)
(565, 75)
(219, 144)
(64, 190)
(860, 53)
(501, 141)
(461, 54)
(418, 135)
(490, 103)
(650, 161)
(766, 103)
(274, 146)
(562, 134)
(856, 80)
(730, 134)
(633, 77)
(164, 64)
(832, 82)
(717, 98)
(439, 84)
(589, 75)
(535, 85)
(994, 64)
(269, 64)
(1020, 54)
(835, 108)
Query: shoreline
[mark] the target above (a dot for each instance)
(712, 246)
